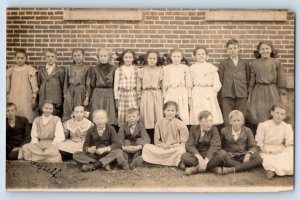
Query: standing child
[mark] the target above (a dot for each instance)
(75, 131)
(102, 83)
(170, 137)
(267, 83)
(206, 85)
(234, 77)
(151, 79)
(76, 84)
(275, 139)
(51, 82)
(22, 86)
(17, 132)
(177, 84)
(101, 146)
(127, 85)
(133, 136)
(47, 131)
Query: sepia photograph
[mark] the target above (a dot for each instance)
(150, 100)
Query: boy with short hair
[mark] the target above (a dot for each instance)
(133, 136)
(51, 82)
(203, 146)
(234, 77)
(101, 146)
(17, 132)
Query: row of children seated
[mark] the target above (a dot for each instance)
(203, 149)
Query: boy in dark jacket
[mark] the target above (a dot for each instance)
(101, 146)
(234, 77)
(133, 136)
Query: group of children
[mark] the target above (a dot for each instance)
(165, 99)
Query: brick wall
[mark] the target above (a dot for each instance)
(160, 29)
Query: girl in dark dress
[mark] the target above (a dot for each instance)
(101, 86)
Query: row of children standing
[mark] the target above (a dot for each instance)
(258, 85)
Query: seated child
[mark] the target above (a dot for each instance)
(17, 132)
(239, 147)
(101, 146)
(133, 136)
(170, 137)
(47, 131)
(202, 146)
(75, 131)
(275, 139)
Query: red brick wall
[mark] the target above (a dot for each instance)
(160, 29)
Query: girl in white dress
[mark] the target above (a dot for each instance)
(75, 130)
(275, 138)
(206, 85)
(177, 84)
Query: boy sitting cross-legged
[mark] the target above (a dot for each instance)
(101, 146)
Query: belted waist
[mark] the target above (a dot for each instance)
(265, 83)
(151, 89)
(76, 84)
(125, 90)
(203, 85)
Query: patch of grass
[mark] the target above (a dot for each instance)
(23, 175)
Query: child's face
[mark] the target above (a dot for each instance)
(78, 113)
(100, 119)
(170, 112)
(132, 118)
(78, 57)
(278, 115)
(50, 58)
(47, 109)
(176, 58)
(20, 59)
(11, 112)
(233, 50)
(103, 57)
(201, 56)
(265, 51)
(236, 122)
(206, 123)
(128, 59)
(152, 59)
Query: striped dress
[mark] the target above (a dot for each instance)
(151, 100)
(127, 90)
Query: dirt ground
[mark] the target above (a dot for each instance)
(22, 175)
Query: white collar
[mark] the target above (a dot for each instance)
(50, 66)
(236, 133)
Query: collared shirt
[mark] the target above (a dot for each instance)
(203, 132)
(131, 128)
(235, 60)
(236, 135)
(100, 131)
(50, 68)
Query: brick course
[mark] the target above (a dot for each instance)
(161, 29)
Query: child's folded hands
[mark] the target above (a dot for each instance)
(103, 150)
(92, 149)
